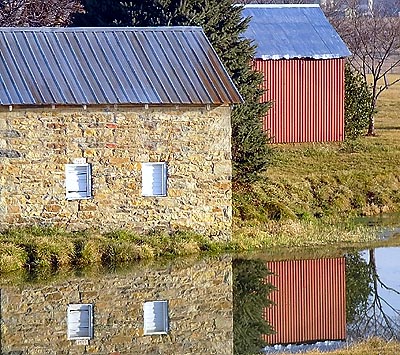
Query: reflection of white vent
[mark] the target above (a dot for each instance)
(78, 181)
(154, 179)
(155, 316)
(80, 321)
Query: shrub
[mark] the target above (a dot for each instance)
(357, 104)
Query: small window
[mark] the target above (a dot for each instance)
(80, 321)
(155, 316)
(154, 179)
(78, 182)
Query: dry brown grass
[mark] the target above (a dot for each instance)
(388, 115)
(371, 347)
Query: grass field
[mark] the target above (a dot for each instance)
(388, 115)
(312, 184)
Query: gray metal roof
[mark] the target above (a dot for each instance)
(76, 66)
(293, 31)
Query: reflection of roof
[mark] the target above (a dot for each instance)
(321, 346)
(293, 31)
(70, 66)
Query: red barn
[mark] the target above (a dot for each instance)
(302, 58)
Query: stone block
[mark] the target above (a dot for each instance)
(118, 162)
(12, 209)
(87, 206)
(53, 208)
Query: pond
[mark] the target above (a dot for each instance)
(216, 305)
(332, 302)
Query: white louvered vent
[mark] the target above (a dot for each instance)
(78, 182)
(155, 316)
(154, 179)
(80, 321)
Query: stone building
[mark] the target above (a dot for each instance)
(35, 318)
(115, 128)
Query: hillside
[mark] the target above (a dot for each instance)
(314, 184)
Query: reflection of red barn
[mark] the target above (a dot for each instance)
(310, 303)
(302, 59)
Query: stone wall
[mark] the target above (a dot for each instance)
(34, 317)
(35, 144)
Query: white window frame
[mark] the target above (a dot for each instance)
(155, 317)
(74, 326)
(73, 172)
(154, 173)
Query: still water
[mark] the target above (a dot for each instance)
(332, 302)
(219, 305)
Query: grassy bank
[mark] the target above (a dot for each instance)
(52, 248)
(310, 186)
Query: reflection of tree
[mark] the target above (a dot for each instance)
(374, 315)
(358, 286)
(250, 293)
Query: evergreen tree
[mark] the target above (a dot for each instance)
(102, 13)
(224, 26)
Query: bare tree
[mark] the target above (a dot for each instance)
(38, 12)
(372, 34)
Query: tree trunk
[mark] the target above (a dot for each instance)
(371, 126)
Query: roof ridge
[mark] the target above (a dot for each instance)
(100, 29)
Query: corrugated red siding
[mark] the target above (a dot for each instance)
(310, 301)
(307, 98)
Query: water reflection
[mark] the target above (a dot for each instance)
(250, 299)
(179, 308)
(331, 302)
(211, 306)
(378, 309)
(309, 302)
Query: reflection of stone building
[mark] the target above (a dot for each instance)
(199, 295)
(310, 301)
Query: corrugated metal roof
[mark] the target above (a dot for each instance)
(153, 65)
(293, 31)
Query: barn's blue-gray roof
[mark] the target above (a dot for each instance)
(77, 66)
(292, 31)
